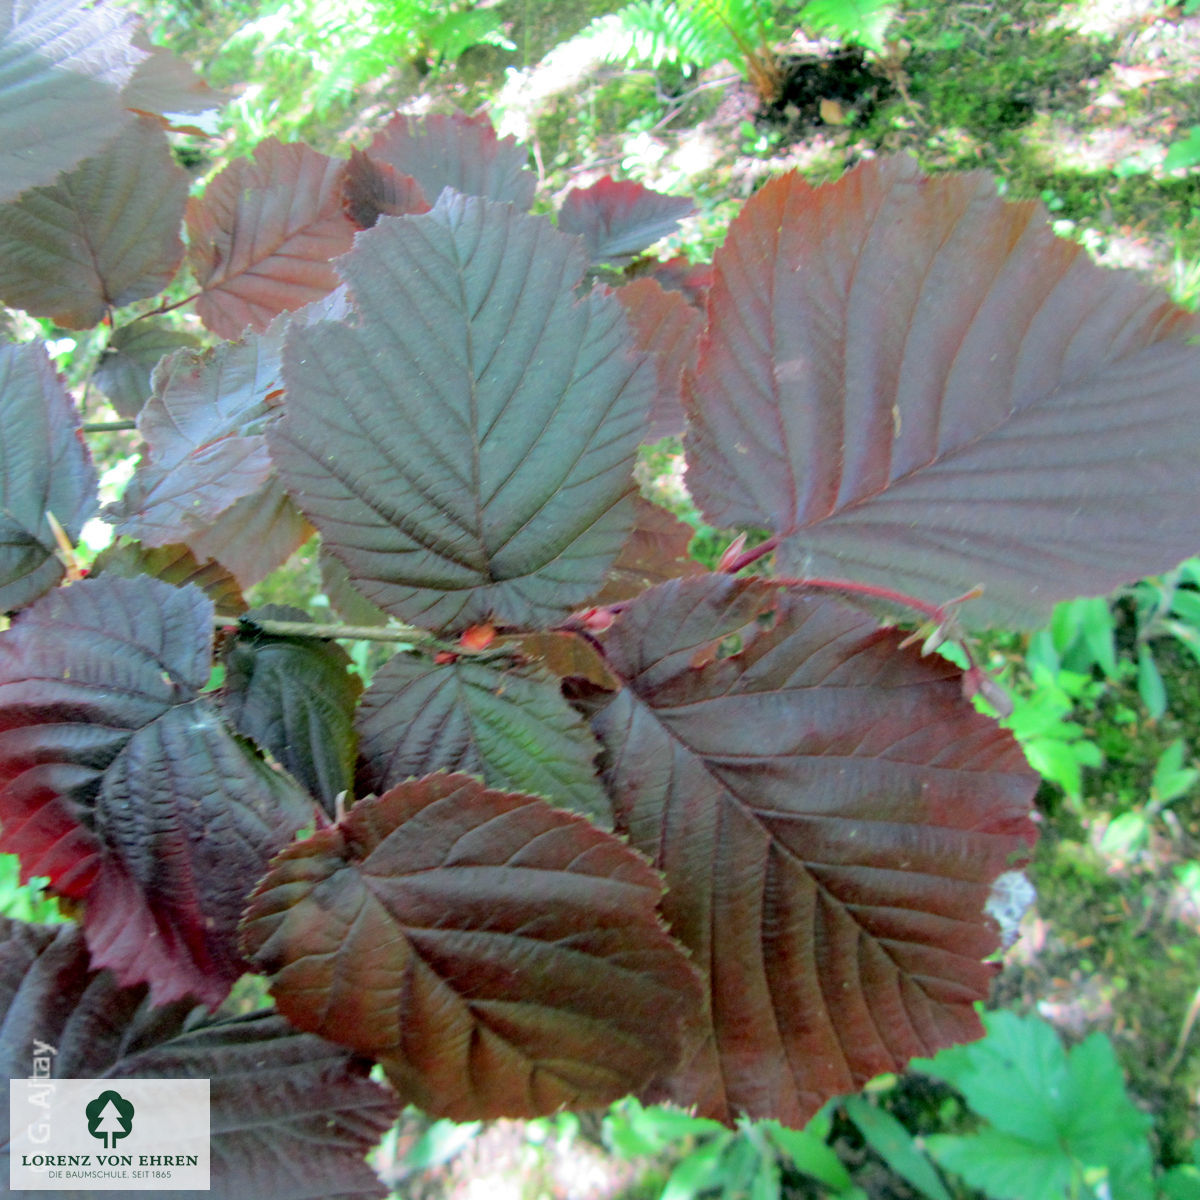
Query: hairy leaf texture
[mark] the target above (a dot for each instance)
(618, 219)
(500, 957)
(466, 447)
(124, 370)
(829, 814)
(916, 385)
(206, 477)
(292, 1116)
(119, 781)
(63, 65)
(294, 697)
(458, 152)
(510, 726)
(102, 236)
(667, 327)
(47, 469)
(261, 237)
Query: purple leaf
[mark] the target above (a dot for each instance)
(829, 814)
(457, 152)
(916, 385)
(47, 469)
(102, 236)
(618, 219)
(119, 781)
(466, 447)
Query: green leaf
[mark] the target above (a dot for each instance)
(809, 1153)
(1150, 683)
(895, 1145)
(1004, 1166)
(512, 726)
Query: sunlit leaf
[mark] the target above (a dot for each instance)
(454, 151)
(372, 189)
(916, 385)
(498, 956)
(175, 565)
(261, 237)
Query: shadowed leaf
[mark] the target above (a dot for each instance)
(295, 698)
(466, 448)
(618, 218)
(133, 351)
(457, 152)
(916, 385)
(500, 957)
(175, 565)
(102, 236)
(119, 781)
(511, 726)
(291, 1117)
(666, 326)
(656, 550)
(261, 237)
(63, 64)
(46, 469)
(829, 814)
(373, 189)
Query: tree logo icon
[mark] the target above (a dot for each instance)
(109, 1116)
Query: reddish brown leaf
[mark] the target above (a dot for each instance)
(373, 189)
(618, 218)
(119, 781)
(103, 235)
(668, 327)
(656, 550)
(829, 814)
(500, 957)
(262, 236)
(458, 152)
(175, 565)
(916, 385)
(133, 351)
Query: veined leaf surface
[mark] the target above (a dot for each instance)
(618, 218)
(917, 386)
(466, 448)
(498, 956)
(119, 781)
(829, 814)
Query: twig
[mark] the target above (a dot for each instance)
(348, 633)
(1184, 1033)
(106, 426)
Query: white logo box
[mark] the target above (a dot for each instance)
(108, 1135)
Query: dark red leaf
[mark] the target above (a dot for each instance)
(512, 727)
(458, 152)
(500, 957)
(119, 781)
(466, 446)
(292, 1115)
(618, 218)
(175, 565)
(690, 279)
(668, 327)
(917, 386)
(133, 351)
(102, 236)
(294, 697)
(47, 469)
(373, 189)
(829, 814)
(261, 238)
(64, 66)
